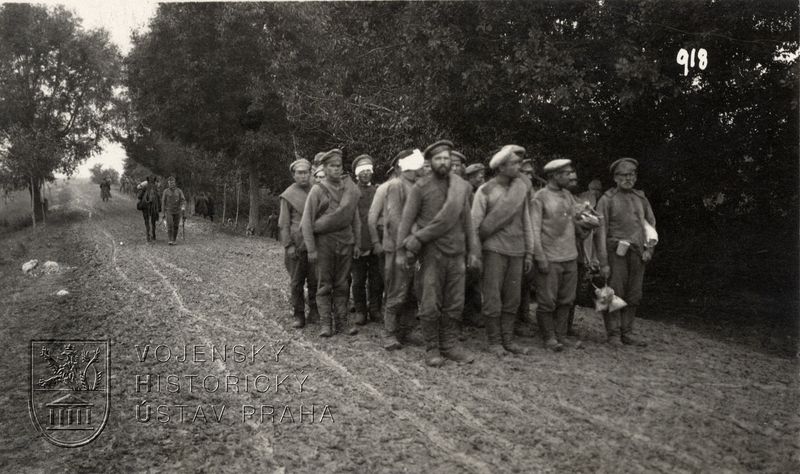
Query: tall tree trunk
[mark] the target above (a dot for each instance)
(33, 205)
(238, 188)
(224, 200)
(252, 223)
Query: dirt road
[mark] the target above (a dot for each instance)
(686, 403)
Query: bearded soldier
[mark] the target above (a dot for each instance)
(367, 268)
(624, 245)
(292, 203)
(502, 223)
(331, 227)
(439, 207)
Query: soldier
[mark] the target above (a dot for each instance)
(367, 269)
(555, 251)
(401, 302)
(475, 175)
(623, 248)
(472, 292)
(457, 162)
(331, 227)
(301, 272)
(375, 219)
(173, 204)
(319, 174)
(524, 321)
(502, 223)
(439, 206)
(587, 258)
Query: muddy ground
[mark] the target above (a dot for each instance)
(689, 402)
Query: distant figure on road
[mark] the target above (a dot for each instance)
(105, 190)
(150, 207)
(201, 205)
(173, 203)
(272, 225)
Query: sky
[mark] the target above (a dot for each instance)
(119, 18)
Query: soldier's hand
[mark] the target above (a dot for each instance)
(377, 248)
(291, 251)
(312, 257)
(356, 252)
(605, 271)
(400, 260)
(475, 263)
(543, 266)
(647, 255)
(527, 264)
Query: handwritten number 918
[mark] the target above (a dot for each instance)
(687, 59)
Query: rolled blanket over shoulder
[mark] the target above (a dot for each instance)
(505, 210)
(296, 197)
(448, 216)
(342, 214)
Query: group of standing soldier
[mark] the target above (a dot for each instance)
(436, 243)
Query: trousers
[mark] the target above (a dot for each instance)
(368, 284)
(334, 260)
(173, 221)
(502, 277)
(442, 301)
(401, 300)
(302, 273)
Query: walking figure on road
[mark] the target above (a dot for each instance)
(624, 245)
(173, 204)
(301, 272)
(150, 205)
(331, 227)
(437, 228)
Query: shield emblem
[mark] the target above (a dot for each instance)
(69, 396)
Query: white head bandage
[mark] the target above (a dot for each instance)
(364, 167)
(412, 162)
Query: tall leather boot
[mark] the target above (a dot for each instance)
(430, 333)
(548, 330)
(341, 324)
(313, 314)
(562, 325)
(612, 323)
(628, 314)
(493, 337)
(299, 319)
(507, 323)
(325, 316)
(450, 348)
(390, 330)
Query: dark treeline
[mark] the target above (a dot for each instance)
(217, 91)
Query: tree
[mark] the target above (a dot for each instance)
(100, 174)
(208, 75)
(56, 84)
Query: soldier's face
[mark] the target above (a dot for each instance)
(476, 179)
(565, 176)
(333, 168)
(527, 170)
(365, 177)
(625, 175)
(302, 176)
(171, 183)
(456, 166)
(426, 168)
(440, 163)
(511, 166)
